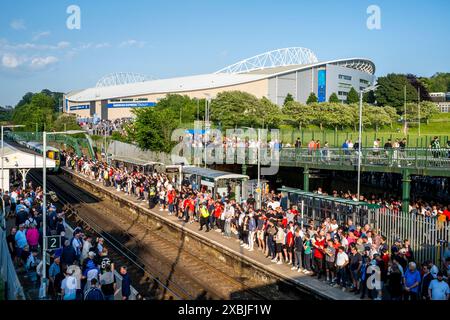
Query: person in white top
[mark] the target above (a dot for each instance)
(341, 263)
(87, 245)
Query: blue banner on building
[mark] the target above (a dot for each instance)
(80, 107)
(322, 86)
(131, 104)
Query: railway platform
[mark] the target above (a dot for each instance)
(229, 246)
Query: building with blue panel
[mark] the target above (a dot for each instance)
(273, 75)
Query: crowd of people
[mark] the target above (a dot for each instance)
(345, 256)
(105, 127)
(79, 270)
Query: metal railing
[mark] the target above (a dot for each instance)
(409, 157)
(14, 290)
(428, 236)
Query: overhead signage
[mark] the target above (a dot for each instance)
(80, 107)
(131, 104)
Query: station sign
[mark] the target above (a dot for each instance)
(53, 242)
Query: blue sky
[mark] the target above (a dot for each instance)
(175, 38)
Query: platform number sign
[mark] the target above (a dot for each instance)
(53, 242)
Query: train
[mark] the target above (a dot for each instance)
(52, 153)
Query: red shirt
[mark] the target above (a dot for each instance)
(289, 239)
(447, 214)
(218, 212)
(318, 253)
(170, 197)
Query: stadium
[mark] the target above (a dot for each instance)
(273, 74)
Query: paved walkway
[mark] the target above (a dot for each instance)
(232, 245)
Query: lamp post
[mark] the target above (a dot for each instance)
(207, 103)
(3, 179)
(44, 205)
(361, 93)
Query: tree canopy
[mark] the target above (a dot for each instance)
(390, 91)
(353, 96)
(153, 128)
(334, 98)
(312, 98)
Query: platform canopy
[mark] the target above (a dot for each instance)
(139, 162)
(22, 161)
(17, 159)
(212, 174)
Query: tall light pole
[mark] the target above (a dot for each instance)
(361, 93)
(3, 177)
(259, 170)
(406, 123)
(44, 205)
(418, 105)
(207, 102)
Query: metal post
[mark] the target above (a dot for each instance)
(44, 215)
(359, 144)
(406, 188)
(406, 123)
(306, 179)
(302, 212)
(418, 103)
(259, 169)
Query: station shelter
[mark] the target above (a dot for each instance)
(317, 207)
(22, 162)
(217, 182)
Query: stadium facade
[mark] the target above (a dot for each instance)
(273, 74)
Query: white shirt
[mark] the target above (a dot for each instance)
(341, 259)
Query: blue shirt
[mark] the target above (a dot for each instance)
(411, 278)
(54, 270)
(439, 290)
(21, 239)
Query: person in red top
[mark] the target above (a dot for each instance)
(446, 213)
(289, 247)
(217, 213)
(191, 209)
(319, 245)
(170, 199)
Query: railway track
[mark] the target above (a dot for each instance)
(150, 252)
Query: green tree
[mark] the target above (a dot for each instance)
(269, 113)
(390, 91)
(353, 96)
(427, 110)
(153, 128)
(235, 108)
(66, 121)
(288, 98)
(440, 82)
(333, 98)
(39, 110)
(377, 116)
(369, 97)
(312, 98)
(182, 105)
(297, 114)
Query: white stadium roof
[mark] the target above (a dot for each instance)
(263, 66)
(191, 83)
